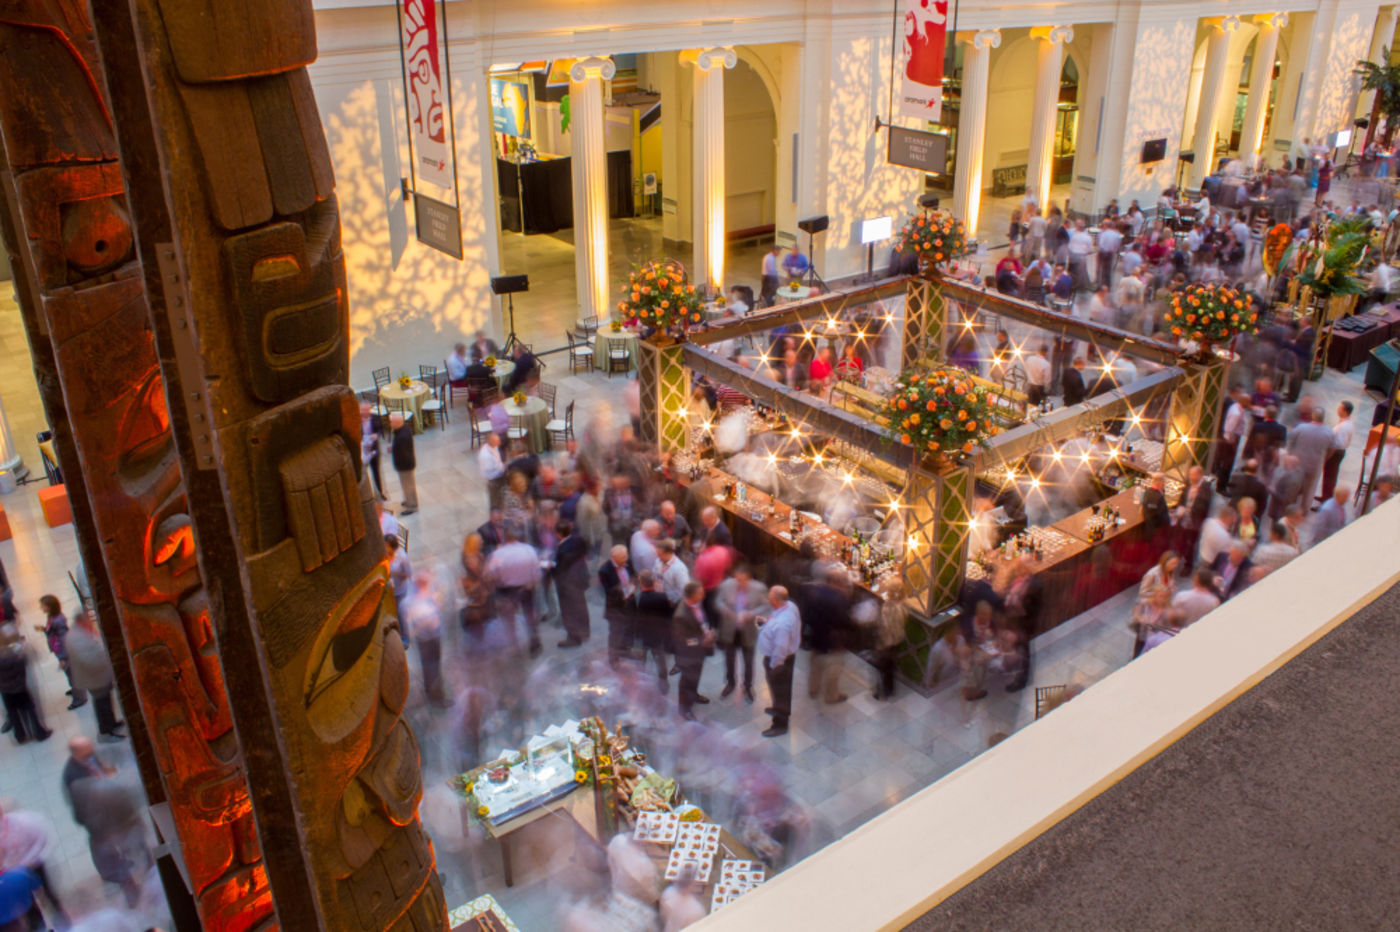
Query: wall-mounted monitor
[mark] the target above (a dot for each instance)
(1154, 150)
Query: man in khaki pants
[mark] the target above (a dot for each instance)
(828, 609)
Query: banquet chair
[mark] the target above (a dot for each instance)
(481, 424)
(1047, 698)
(381, 377)
(588, 325)
(562, 429)
(403, 538)
(517, 429)
(579, 351)
(549, 393)
(619, 360)
(434, 407)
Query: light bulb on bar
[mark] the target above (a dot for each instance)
(848, 477)
(912, 544)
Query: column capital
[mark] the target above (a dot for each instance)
(1271, 20)
(721, 56)
(592, 67)
(980, 39)
(1226, 24)
(1055, 35)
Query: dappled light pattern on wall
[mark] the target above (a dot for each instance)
(1161, 79)
(410, 313)
(1351, 41)
(860, 184)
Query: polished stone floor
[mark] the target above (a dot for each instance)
(840, 764)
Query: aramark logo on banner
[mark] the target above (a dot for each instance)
(925, 38)
(429, 123)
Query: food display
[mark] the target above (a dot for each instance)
(735, 879)
(696, 845)
(656, 827)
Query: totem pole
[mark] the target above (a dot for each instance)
(198, 325)
(83, 303)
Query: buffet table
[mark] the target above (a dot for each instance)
(1348, 349)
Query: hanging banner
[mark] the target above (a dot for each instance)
(423, 47)
(925, 38)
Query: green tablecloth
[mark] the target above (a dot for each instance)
(535, 416)
(607, 339)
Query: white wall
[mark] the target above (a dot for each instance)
(750, 128)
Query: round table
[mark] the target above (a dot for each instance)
(503, 370)
(606, 339)
(787, 295)
(535, 415)
(411, 397)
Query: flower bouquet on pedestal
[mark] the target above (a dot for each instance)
(940, 413)
(936, 237)
(1210, 314)
(659, 295)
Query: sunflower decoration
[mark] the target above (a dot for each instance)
(1210, 314)
(483, 810)
(581, 776)
(490, 362)
(1276, 243)
(942, 411)
(935, 236)
(519, 399)
(660, 295)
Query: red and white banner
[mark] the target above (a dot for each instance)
(925, 38)
(423, 43)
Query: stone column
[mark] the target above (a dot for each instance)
(972, 125)
(1383, 39)
(1265, 48)
(1212, 85)
(707, 173)
(1047, 99)
(590, 180)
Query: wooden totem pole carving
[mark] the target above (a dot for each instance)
(262, 575)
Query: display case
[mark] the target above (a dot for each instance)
(518, 781)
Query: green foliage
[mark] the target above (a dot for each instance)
(1332, 272)
(1384, 79)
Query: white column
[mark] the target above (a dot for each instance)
(1212, 85)
(707, 186)
(589, 164)
(1047, 100)
(972, 124)
(1265, 48)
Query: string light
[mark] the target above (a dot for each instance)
(912, 544)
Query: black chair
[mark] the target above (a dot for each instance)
(564, 429)
(381, 378)
(548, 393)
(579, 351)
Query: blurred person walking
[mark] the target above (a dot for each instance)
(571, 580)
(692, 636)
(92, 671)
(110, 808)
(55, 632)
(20, 707)
(515, 569)
(739, 601)
(26, 840)
(653, 620)
(779, 636)
(423, 618)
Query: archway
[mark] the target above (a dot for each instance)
(750, 169)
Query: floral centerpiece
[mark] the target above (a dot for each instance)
(1210, 314)
(935, 236)
(616, 326)
(490, 362)
(660, 295)
(942, 411)
(405, 382)
(519, 399)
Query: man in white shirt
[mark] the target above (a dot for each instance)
(457, 364)
(1101, 309)
(1110, 241)
(1035, 237)
(643, 545)
(1038, 371)
(1080, 245)
(1216, 534)
(515, 569)
(1342, 433)
(1196, 602)
(1131, 260)
(1277, 551)
(1237, 420)
(771, 269)
(493, 468)
(670, 570)
(778, 639)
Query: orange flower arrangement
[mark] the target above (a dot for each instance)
(660, 295)
(957, 414)
(1210, 314)
(935, 236)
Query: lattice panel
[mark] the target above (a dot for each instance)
(648, 384)
(1195, 416)
(673, 398)
(925, 319)
(937, 508)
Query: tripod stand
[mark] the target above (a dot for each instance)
(511, 338)
(813, 279)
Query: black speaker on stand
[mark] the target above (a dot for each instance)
(812, 226)
(508, 285)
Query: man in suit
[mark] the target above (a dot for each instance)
(652, 612)
(1247, 484)
(1155, 513)
(370, 426)
(828, 610)
(527, 370)
(692, 636)
(615, 577)
(739, 602)
(673, 525)
(1288, 486)
(713, 532)
(1072, 382)
(1192, 512)
(1311, 442)
(405, 462)
(493, 532)
(1231, 569)
(1266, 439)
(1234, 426)
(571, 582)
(483, 346)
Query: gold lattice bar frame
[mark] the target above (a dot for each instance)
(664, 382)
(937, 505)
(925, 321)
(1195, 415)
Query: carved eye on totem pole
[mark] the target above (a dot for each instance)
(96, 236)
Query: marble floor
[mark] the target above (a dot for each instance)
(840, 765)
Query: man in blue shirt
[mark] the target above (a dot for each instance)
(778, 640)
